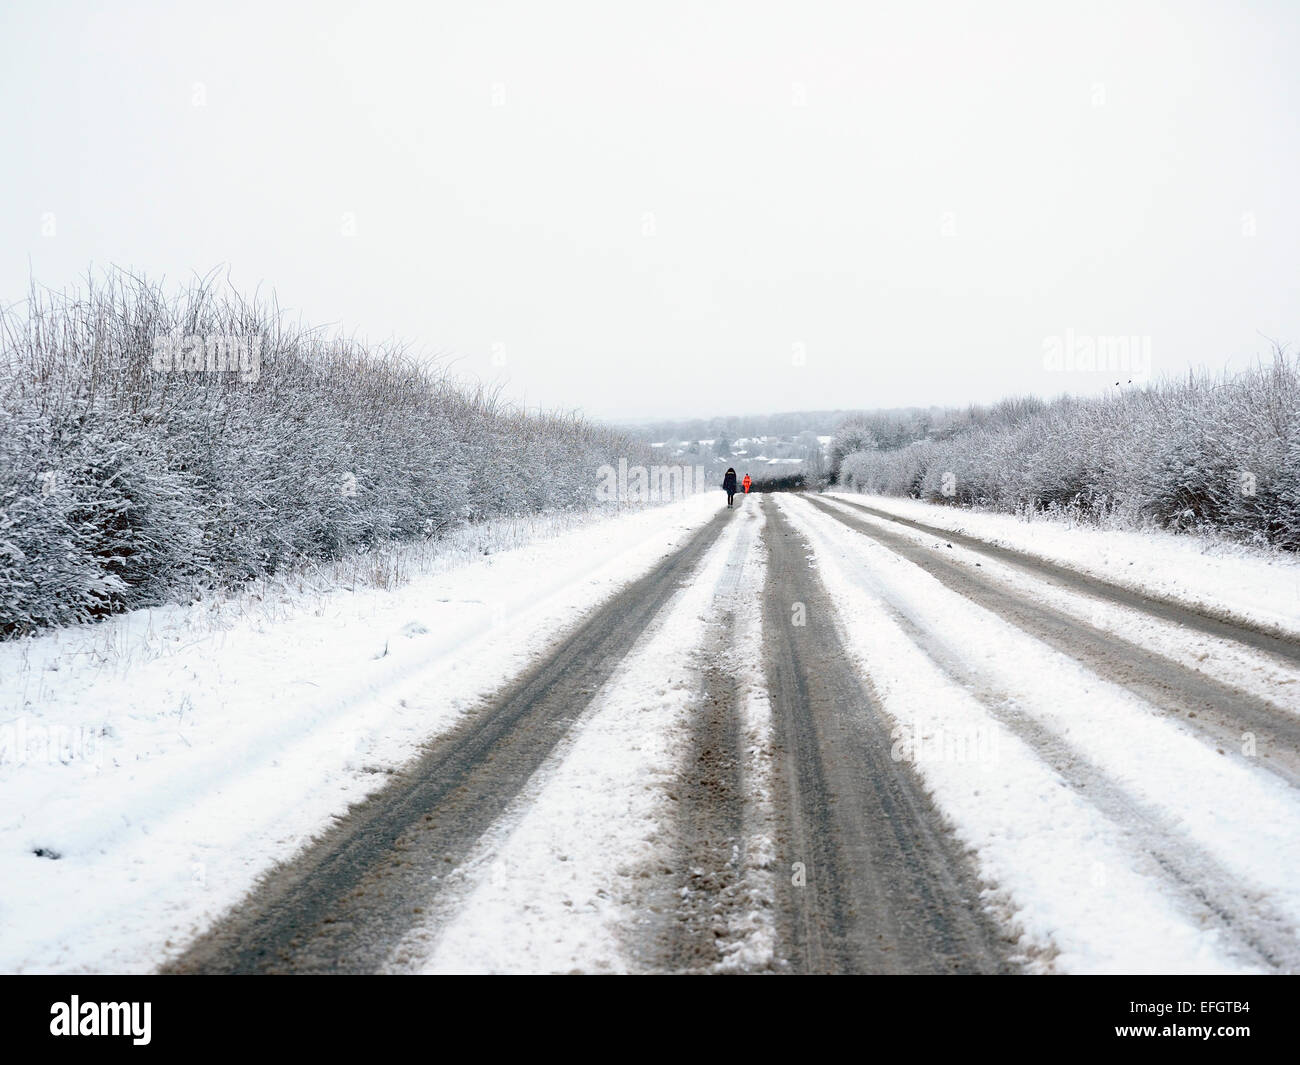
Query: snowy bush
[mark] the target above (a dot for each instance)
(1219, 454)
(123, 484)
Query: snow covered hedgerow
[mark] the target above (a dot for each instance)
(139, 463)
(91, 519)
(1215, 454)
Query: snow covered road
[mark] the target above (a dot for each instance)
(816, 733)
(1124, 836)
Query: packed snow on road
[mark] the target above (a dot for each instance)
(157, 764)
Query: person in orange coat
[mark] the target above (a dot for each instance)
(746, 482)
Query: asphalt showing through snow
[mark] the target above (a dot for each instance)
(1221, 713)
(343, 904)
(873, 879)
(869, 876)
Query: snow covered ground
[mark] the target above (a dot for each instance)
(1105, 825)
(1215, 657)
(561, 883)
(152, 766)
(1228, 579)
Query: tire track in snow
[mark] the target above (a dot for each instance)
(1202, 885)
(887, 886)
(581, 872)
(710, 824)
(1257, 637)
(1221, 714)
(342, 904)
(720, 916)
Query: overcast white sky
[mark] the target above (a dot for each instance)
(688, 208)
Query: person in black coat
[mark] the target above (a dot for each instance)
(729, 485)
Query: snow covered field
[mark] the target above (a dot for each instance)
(155, 764)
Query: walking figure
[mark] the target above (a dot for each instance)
(729, 485)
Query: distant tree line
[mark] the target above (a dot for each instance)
(734, 426)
